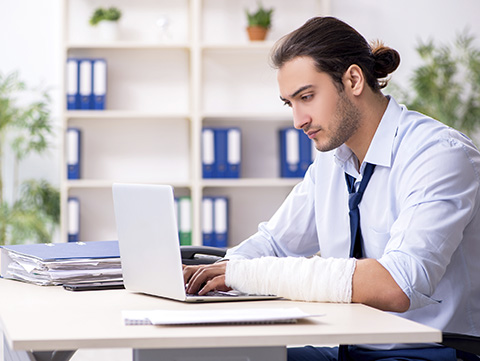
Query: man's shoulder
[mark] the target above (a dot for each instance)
(418, 132)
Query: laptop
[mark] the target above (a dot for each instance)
(150, 247)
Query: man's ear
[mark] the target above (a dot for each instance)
(354, 80)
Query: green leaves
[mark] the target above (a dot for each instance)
(29, 125)
(25, 128)
(447, 85)
(261, 17)
(9, 84)
(41, 195)
(33, 128)
(23, 225)
(112, 14)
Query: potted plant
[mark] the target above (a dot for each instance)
(259, 22)
(107, 21)
(446, 86)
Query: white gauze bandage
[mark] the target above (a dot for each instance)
(296, 278)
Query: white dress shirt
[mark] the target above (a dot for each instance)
(419, 216)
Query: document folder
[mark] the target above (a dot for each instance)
(72, 86)
(221, 152)
(73, 205)
(86, 80)
(66, 251)
(185, 220)
(99, 83)
(59, 263)
(220, 212)
(297, 152)
(73, 153)
(234, 152)
(289, 153)
(207, 221)
(208, 153)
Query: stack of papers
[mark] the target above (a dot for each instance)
(220, 316)
(62, 263)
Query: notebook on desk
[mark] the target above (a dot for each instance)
(149, 244)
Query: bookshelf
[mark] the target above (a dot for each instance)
(161, 93)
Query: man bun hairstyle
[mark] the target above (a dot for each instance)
(386, 62)
(334, 46)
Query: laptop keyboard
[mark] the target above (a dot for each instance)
(218, 294)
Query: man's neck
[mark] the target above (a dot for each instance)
(372, 107)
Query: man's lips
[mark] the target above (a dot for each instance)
(311, 134)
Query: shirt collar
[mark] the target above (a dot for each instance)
(380, 149)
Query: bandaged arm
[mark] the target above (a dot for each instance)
(297, 278)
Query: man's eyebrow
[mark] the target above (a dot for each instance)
(298, 91)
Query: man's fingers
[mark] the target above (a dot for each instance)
(215, 284)
(196, 281)
(188, 272)
(203, 275)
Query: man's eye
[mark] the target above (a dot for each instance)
(287, 103)
(307, 97)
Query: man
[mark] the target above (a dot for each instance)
(412, 243)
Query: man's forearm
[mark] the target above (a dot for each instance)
(374, 286)
(298, 278)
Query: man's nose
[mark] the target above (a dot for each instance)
(300, 119)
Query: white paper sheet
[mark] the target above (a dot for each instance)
(217, 316)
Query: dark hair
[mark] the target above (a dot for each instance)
(334, 46)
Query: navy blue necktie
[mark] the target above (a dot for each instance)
(354, 199)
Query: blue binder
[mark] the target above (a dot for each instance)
(67, 251)
(73, 153)
(289, 153)
(99, 83)
(72, 84)
(220, 223)
(86, 84)
(73, 213)
(234, 152)
(207, 221)
(305, 153)
(221, 149)
(208, 153)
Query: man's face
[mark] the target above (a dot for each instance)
(326, 115)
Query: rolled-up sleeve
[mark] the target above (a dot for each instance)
(435, 198)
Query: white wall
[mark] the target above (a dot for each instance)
(30, 44)
(402, 24)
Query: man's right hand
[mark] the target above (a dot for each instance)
(202, 279)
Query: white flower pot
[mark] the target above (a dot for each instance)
(108, 30)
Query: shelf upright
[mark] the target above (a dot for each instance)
(64, 123)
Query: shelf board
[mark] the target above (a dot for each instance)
(253, 45)
(206, 183)
(125, 45)
(220, 116)
(104, 183)
(250, 182)
(140, 45)
(249, 116)
(122, 114)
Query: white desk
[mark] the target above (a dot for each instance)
(36, 318)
